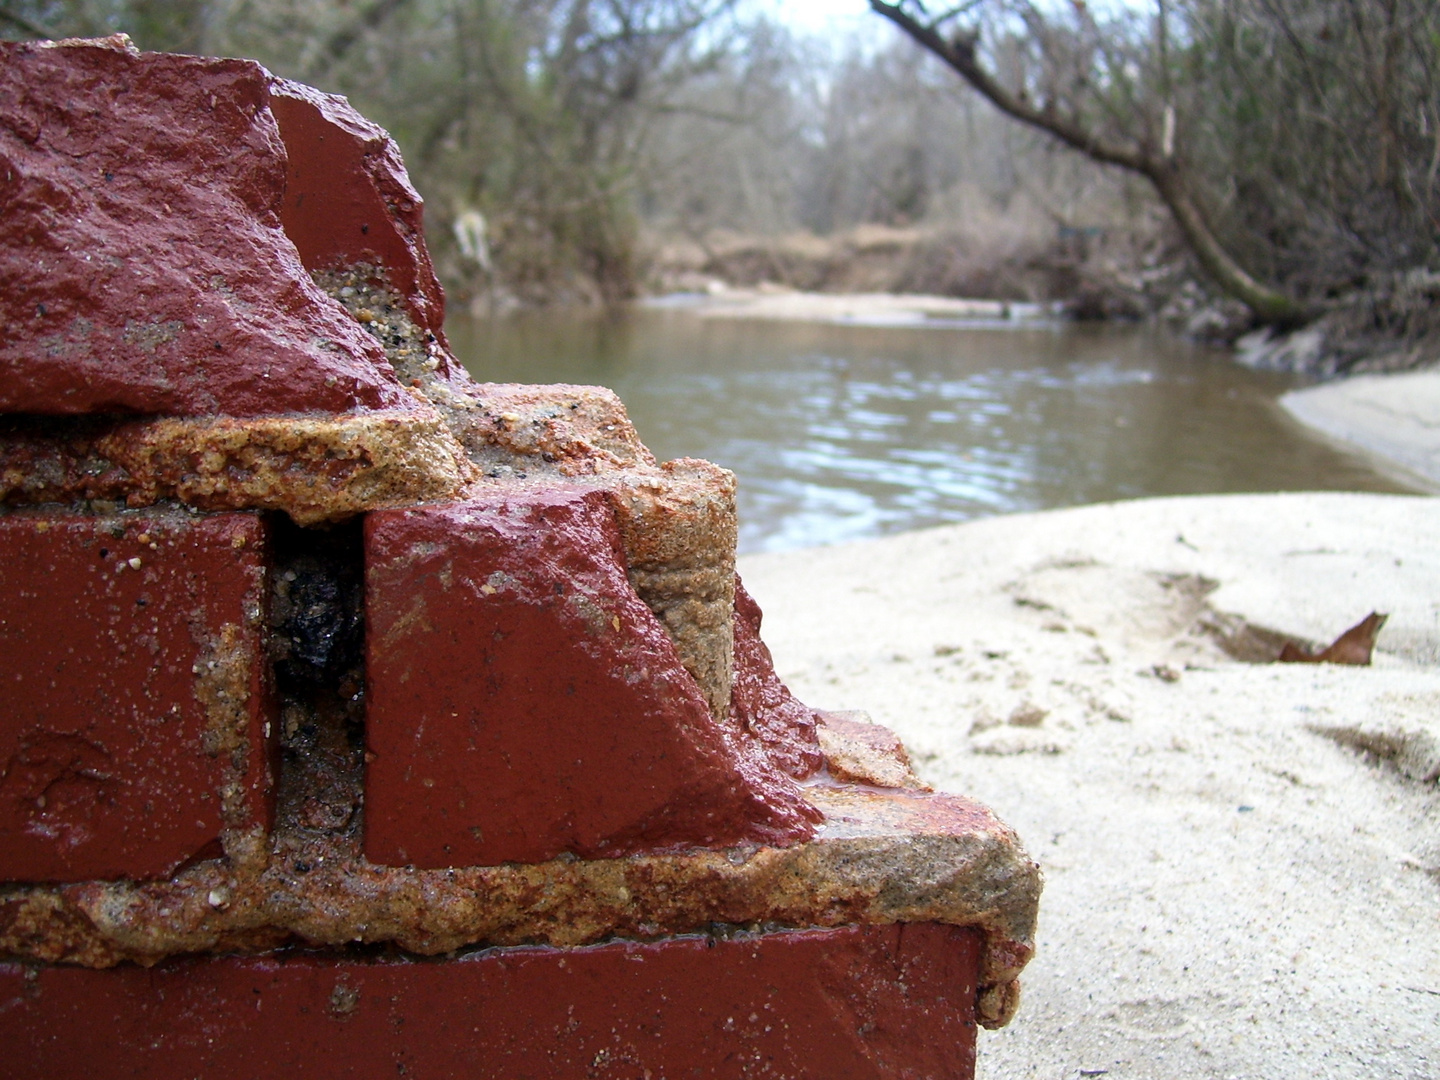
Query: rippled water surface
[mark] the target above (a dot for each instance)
(841, 432)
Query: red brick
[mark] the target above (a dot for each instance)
(522, 701)
(762, 706)
(349, 200)
(143, 266)
(135, 684)
(858, 1003)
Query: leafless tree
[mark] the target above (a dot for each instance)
(1294, 142)
(1084, 84)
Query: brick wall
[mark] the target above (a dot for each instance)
(361, 719)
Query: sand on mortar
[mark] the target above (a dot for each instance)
(1242, 859)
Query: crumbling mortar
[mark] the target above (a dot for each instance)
(315, 468)
(341, 898)
(223, 689)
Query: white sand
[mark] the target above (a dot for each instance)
(856, 309)
(1395, 418)
(1230, 893)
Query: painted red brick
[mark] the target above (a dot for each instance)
(522, 701)
(143, 266)
(349, 200)
(761, 705)
(855, 1003)
(112, 631)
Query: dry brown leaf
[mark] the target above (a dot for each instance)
(1354, 646)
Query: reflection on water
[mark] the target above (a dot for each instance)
(841, 432)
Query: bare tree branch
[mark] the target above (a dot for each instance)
(345, 39)
(1160, 169)
(30, 26)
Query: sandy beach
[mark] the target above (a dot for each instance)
(1242, 859)
(1392, 419)
(857, 309)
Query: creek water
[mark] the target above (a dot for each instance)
(842, 432)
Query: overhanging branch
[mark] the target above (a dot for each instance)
(959, 54)
(1160, 169)
(343, 40)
